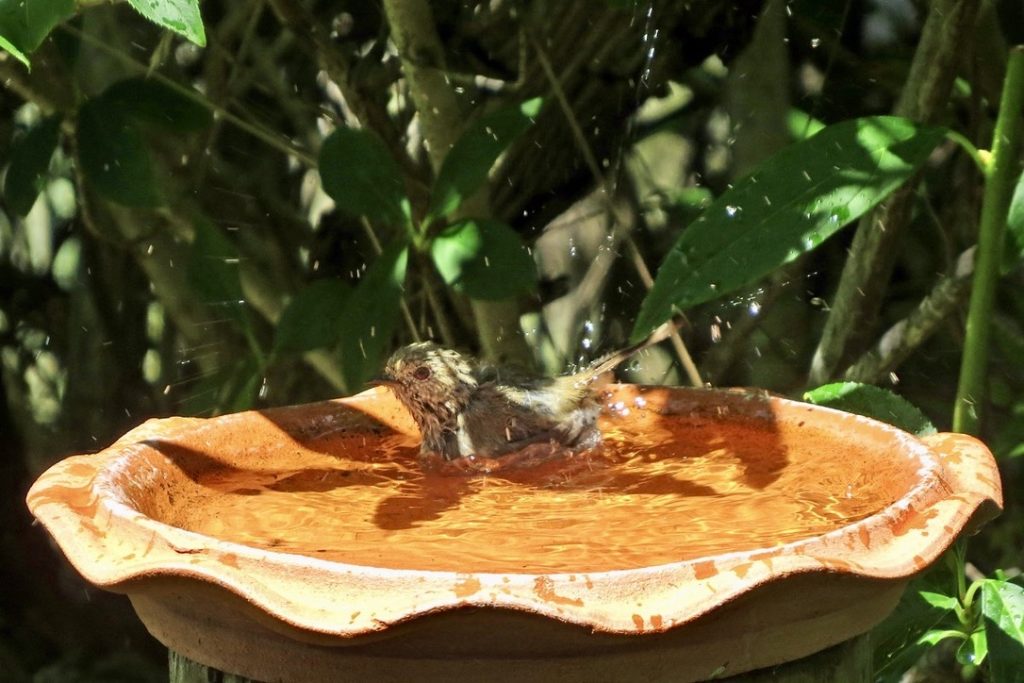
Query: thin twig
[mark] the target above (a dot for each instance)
(900, 340)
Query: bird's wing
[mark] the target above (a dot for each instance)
(502, 419)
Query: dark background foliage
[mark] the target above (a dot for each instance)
(177, 238)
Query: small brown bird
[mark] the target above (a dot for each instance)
(467, 408)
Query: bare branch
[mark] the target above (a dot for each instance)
(866, 273)
(903, 338)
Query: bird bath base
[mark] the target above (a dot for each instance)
(761, 550)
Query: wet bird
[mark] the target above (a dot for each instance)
(464, 407)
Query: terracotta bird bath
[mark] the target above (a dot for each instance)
(717, 532)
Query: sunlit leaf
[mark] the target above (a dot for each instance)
(1002, 605)
(939, 600)
(470, 159)
(1014, 252)
(154, 102)
(936, 636)
(314, 318)
(788, 206)
(484, 260)
(30, 160)
(67, 264)
(871, 401)
(802, 125)
(361, 177)
(24, 24)
(114, 158)
(370, 316)
(180, 16)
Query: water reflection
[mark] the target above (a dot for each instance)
(663, 489)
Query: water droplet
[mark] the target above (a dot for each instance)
(815, 42)
(733, 211)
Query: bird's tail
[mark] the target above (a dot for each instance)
(610, 361)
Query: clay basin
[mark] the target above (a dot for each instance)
(717, 532)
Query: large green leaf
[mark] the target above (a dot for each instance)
(484, 260)
(24, 24)
(871, 401)
(1002, 606)
(154, 102)
(788, 206)
(30, 160)
(314, 318)
(468, 162)
(370, 316)
(361, 177)
(113, 156)
(180, 16)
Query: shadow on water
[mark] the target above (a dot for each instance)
(323, 447)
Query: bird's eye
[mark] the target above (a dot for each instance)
(422, 372)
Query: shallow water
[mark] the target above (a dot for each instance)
(678, 490)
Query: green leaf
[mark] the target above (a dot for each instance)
(24, 24)
(1002, 605)
(939, 600)
(788, 206)
(974, 650)
(370, 316)
(314, 318)
(802, 125)
(936, 636)
(898, 639)
(213, 272)
(484, 260)
(180, 16)
(231, 388)
(30, 161)
(361, 177)
(154, 102)
(113, 156)
(871, 401)
(470, 159)
(1014, 250)
(244, 385)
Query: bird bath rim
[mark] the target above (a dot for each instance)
(959, 484)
